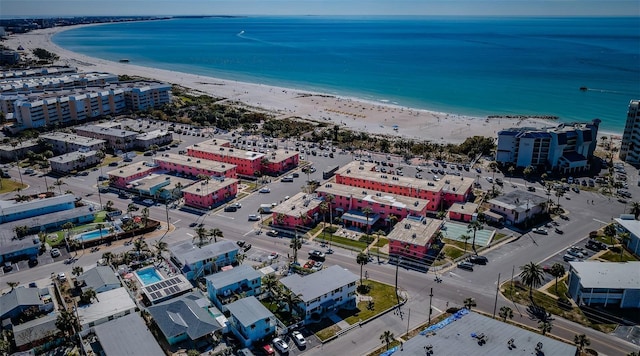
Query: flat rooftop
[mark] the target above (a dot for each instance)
(204, 188)
(197, 163)
(463, 208)
(415, 232)
(609, 275)
(187, 252)
(21, 145)
(72, 156)
(457, 338)
(299, 203)
(280, 155)
(99, 130)
(155, 179)
(317, 284)
(72, 138)
(518, 200)
(370, 195)
(111, 302)
(133, 168)
(219, 146)
(152, 135)
(366, 171)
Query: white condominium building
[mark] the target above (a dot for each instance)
(630, 148)
(564, 148)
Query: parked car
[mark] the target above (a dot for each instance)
(254, 217)
(539, 230)
(241, 243)
(531, 189)
(466, 265)
(273, 255)
(62, 277)
(273, 233)
(317, 254)
(479, 260)
(281, 345)
(268, 350)
(264, 190)
(230, 209)
(567, 258)
(55, 252)
(148, 202)
(299, 339)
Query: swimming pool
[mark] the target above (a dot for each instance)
(148, 276)
(91, 235)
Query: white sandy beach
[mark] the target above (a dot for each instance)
(378, 118)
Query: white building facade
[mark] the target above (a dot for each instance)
(630, 147)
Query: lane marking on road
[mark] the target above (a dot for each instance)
(190, 235)
(248, 232)
(438, 310)
(600, 221)
(226, 217)
(177, 221)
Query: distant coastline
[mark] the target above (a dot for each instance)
(361, 115)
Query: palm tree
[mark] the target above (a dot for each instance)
(107, 257)
(280, 217)
(88, 295)
(635, 209)
(475, 226)
(469, 303)
(296, 244)
(290, 299)
(160, 247)
(215, 233)
(387, 337)
(330, 198)
(392, 221)
(67, 323)
(465, 238)
(140, 245)
(610, 231)
(240, 258)
(13, 285)
(131, 207)
(532, 275)
(108, 205)
(545, 326)
(557, 271)
(362, 259)
(100, 226)
(202, 235)
(367, 211)
(527, 172)
(324, 208)
(68, 226)
(145, 216)
(581, 341)
(59, 183)
(77, 270)
(270, 283)
(624, 237)
(506, 313)
(511, 169)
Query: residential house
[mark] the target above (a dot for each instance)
(516, 207)
(159, 186)
(208, 194)
(350, 202)
(145, 140)
(226, 286)
(37, 334)
(8, 153)
(464, 212)
(250, 321)
(186, 318)
(126, 336)
(122, 176)
(411, 240)
(62, 142)
(301, 209)
(195, 262)
(608, 284)
(322, 292)
(279, 161)
(14, 303)
(74, 161)
(117, 139)
(99, 278)
(11, 210)
(194, 167)
(112, 304)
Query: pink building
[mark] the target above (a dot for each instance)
(351, 201)
(247, 162)
(300, 210)
(412, 239)
(462, 211)
(210, 194)
(194, 166)
(440, 194)
(122, 176)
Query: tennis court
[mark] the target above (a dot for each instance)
(453, 231)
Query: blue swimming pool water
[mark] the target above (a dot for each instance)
(148, 276)
(92, 235)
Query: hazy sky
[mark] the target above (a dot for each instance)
(13, 8)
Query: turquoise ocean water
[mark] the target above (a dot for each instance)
(470, 65)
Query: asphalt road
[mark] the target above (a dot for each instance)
(455, 287)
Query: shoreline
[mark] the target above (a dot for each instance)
(354, 113)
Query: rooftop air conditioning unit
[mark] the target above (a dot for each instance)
(416, 203)
(414, 235)
(293, 207)
(188, 159)
(364, 192)
(348, 171)
(198, 161)
(197, 189)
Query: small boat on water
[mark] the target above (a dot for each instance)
(124, 60)
(584, 88)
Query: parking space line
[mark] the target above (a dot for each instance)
(248, 232)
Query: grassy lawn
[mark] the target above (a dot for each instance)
(604, 239)
(339, 240)
(55, 239)
(250, 185)
(100, 217)
(520, 295)
(498, 237)
(109, 159)
(452, 252)
(613, 256)
(562, 288)
(9, 185)
(384, 297)
(315, 229)
(324, 329)
(382, 241)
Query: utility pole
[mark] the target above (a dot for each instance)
(513, 271)
(398, 258)
(408, 318)
(99, 195)
(430, 309)
(495, 304)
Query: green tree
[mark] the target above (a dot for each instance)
(610, 232)
(160, 247)
(367, 211)
(635, 209)
(581, 341)
(145, 216)
(59, 183)
(296, 244)
(557, 271)
(506, 313)
(77, 270)
(215, 233)
(624, 237)
(465, 238)
(387, 338)
(13, 285)
(475, 226)
(88, 296)
(202, 236)
(545, 326)
(67, 323)
(469, 303)
(532, 276)
(362, 259)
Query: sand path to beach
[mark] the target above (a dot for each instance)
(361, 115)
